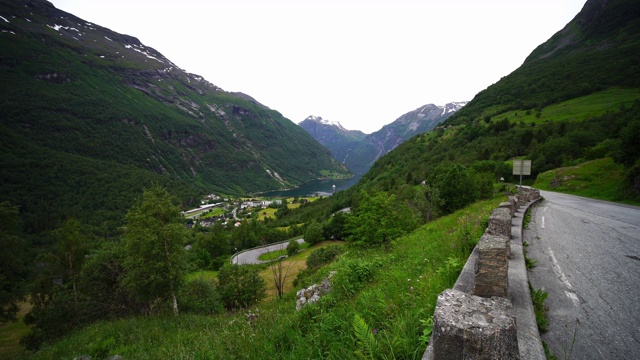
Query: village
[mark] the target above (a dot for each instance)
(229, 211)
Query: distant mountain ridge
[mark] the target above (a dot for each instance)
(97, 112)
(358, 151)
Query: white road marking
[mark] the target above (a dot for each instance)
(543, 222)
(571, 294)
(573, 298)
(558, 271)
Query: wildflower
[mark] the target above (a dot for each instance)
(374, 331)
(411, 288)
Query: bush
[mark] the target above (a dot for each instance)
(352, 275)
(200, 296)
(323, 256)
(313, 235)
(378, 219)
(240, 286)
(293, 247)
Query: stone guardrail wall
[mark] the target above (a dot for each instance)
(480, 323)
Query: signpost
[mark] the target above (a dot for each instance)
(521, 167)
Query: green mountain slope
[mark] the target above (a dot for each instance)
(90, 117)
(575, 98)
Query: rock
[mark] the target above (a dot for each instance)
(492, 266)
(500, 222)
(251, 317)
(471, 327)
(314, 292)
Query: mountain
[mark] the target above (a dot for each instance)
(359, 151)
(575, 98)
(342, 143)
(91, 117)
(418, 121)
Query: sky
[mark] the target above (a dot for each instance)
(363, 63)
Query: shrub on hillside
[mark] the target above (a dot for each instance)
(293, 247)
(379, 218)
(313, 234)
(459, 186)
(240, 286)
(323, 256)
(352, 275)
(200, 296)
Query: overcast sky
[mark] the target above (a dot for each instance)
(363, 63)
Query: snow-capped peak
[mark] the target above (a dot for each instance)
(320, 120)
(453, 106)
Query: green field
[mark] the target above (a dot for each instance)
(213, 213)
(577, 109)
(599, 179)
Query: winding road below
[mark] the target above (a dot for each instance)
(588, 254)
(251, 256)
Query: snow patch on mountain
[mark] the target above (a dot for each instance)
(57, 27)
(320, 120)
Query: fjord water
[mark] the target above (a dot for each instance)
(323, 187)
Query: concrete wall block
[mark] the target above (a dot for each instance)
(534, 194)
(492, 266)
(500, 222)
(471, 327)
(508, 205)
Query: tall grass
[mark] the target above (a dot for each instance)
(391, 291)
(599, 179)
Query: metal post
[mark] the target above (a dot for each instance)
(521, 171)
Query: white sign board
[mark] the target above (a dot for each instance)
(521, 167)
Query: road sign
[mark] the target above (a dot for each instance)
(521, 167)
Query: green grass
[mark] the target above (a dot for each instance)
(213, 213)
(577, 109)
(538, 297)
(206, 274)
(599, 179)
(393, 291)
(267, 213)
(272, 255)
(10, 334)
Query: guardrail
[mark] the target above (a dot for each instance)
(489, 314)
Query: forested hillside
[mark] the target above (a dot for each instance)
(91, 117)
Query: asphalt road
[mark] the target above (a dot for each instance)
(251, 256)
(588, 254)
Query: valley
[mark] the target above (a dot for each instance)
(358, 151)
(108, 151)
